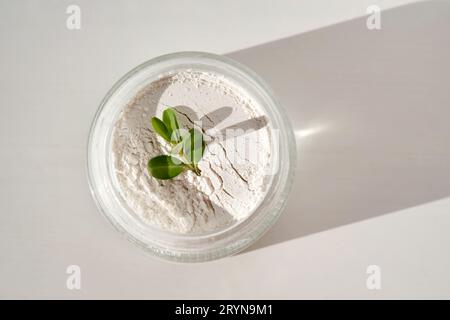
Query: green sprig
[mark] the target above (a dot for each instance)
(187, 150)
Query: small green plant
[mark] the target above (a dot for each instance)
(187, 148)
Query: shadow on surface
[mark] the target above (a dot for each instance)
(371, 112)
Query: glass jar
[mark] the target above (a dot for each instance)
(181, 247)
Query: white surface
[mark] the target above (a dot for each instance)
(371, 111)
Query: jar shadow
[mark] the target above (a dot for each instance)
(370, 110)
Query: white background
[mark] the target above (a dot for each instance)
(370, 109)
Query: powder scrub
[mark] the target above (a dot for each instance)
(227, 198)
(234, 168)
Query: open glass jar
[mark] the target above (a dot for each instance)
(181, 247)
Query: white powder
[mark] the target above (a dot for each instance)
(233, 177)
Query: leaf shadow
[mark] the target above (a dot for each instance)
(210, 121)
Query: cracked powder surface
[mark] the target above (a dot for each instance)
(234, 167)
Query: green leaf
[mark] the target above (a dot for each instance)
(177, 148)
(193, 146)
(170, 120)
(165, 167)
(160, 128)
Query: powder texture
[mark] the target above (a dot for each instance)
(234, 166)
